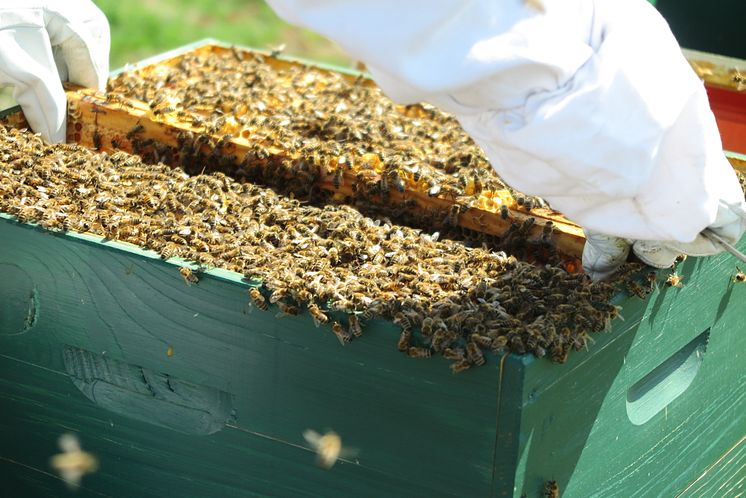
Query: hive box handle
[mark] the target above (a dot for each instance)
(666, 382)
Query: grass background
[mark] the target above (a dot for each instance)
(141, 28)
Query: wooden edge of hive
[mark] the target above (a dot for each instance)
(91, 114)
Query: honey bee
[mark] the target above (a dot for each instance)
(342, 334)
(474, 354)
(355, 327)
(504, 211)
(135, 130)
(338, 178)
(399, 183)
(453, 213)
(188, 275)
(415, 352)
(739, 276)
(258, 299)
(404, 340)
(96, 139)
(546, 233)
(674, 280)
(328, 447)
(551, 489)
(285, 308)
(482, 341)
(441, 339)
(457, 354)
(318, 316)
(73, 463)
(460, 366)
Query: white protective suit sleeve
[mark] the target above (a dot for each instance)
(44, 42)
(589, 104)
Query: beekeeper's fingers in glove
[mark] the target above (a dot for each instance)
(603, 254)
(728, 227)
(44, 42)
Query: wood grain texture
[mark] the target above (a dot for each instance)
(579, 432)
(419, 429)
(500, 430)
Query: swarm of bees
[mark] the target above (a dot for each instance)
(342, 267)
(324, 121)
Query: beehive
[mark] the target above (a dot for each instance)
(231, 392)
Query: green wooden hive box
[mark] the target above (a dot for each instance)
(182, 391)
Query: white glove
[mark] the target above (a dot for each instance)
(604, 254)
(44, 42)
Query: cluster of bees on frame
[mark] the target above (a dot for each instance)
(324, 121)
(334, 263)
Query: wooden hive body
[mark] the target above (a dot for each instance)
(183, 390)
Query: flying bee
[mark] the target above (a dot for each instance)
(258, 299)
(674, 280)
(73, 463)
(460, 366)
(286, 309)
(474, 354)
(189, 276)
(328, 448)
(342, 334)
(415, 352)
(355, 327)
(739, 276)
(318, 316)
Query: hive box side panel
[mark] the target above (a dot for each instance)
(412, 421)
(667, 396)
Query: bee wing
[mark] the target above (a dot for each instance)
(69, 443)
(71, 477)
(312, 437)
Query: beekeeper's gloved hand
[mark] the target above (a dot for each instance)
(44, 42)
(604, 254)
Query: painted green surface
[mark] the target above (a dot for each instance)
(417, 429)
(77, 313)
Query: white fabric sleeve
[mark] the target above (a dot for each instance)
(589, 104)
(44, 42)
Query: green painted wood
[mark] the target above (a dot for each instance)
(725, 477)
(419, 429)
(80, 318)
(579, 429)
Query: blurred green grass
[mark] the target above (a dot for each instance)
(142, 28)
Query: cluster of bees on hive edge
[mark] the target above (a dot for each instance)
(449, 296)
